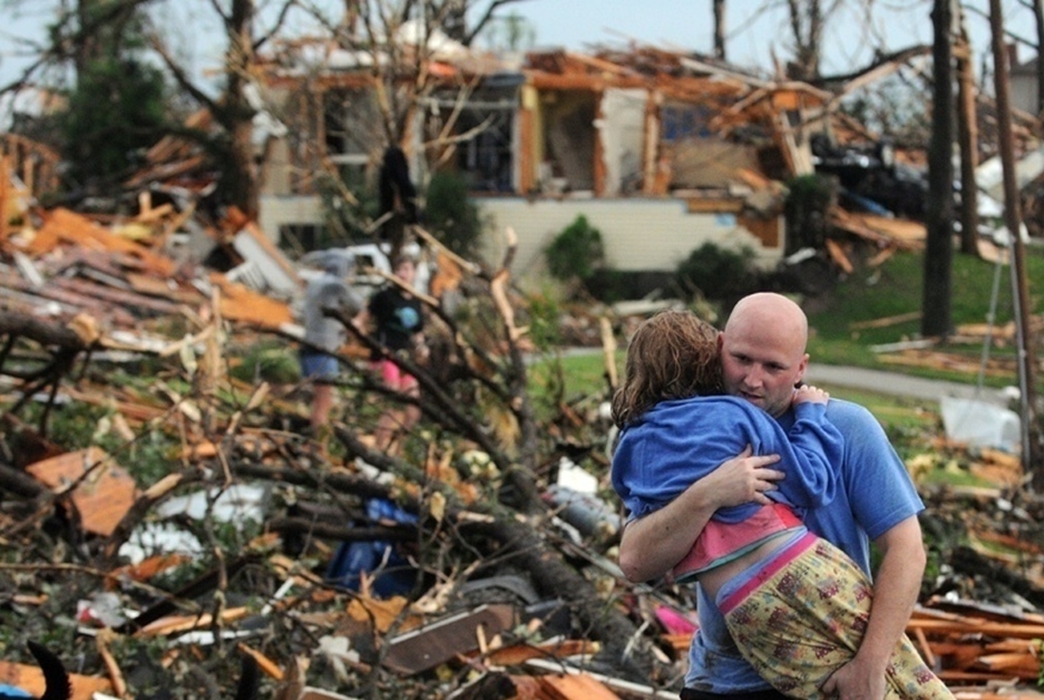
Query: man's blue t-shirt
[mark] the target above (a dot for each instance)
(875, 494)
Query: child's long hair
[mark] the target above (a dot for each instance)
(673, 355)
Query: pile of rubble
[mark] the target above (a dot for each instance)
(478, 564)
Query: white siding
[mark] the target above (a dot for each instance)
(639, 234)
(1024, 91)
(289, 210)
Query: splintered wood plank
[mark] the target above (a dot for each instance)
(120, 298)
(837, 254)
(575, 687)
(145, 570)
(1024, 664)
(680, 642)
(63, 225)
(102, 498)
(239, 303)
(517, 654)
(977, 626)
(428, 646)
(136, 412)
(30, 679)
(176, 624)
(995, 367)
(886, 321)
(163, 287)
(859, 226)
(904, 230)
(382, 614)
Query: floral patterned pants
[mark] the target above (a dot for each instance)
(802, 616)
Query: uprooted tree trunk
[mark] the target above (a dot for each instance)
(502, 376)
(495, 530)
(492, 368)
(476, 400)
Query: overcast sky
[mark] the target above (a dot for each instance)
(755, 35)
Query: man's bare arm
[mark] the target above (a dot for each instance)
(651, 545)
(896, 587)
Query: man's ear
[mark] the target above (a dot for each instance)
(801, 370)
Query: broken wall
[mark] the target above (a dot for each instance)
(569, 137)
(709, 162)
(487, 160)
(621, 128)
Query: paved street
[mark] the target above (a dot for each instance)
(899, 384)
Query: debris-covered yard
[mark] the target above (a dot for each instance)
(166, 513)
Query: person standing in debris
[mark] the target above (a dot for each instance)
(763, 360)
(398, 320)
(324, 334)
(796, 605)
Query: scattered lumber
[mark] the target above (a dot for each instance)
(571, 627)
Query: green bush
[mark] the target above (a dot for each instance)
(809, 198)
(450, 214)
(271, 362)
(716, 273)
(118, 105)
(544, 314)
(344, 221)
(577, 252)
(609, 285)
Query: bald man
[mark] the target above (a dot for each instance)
(763, 358)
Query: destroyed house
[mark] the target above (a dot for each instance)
(659, 151)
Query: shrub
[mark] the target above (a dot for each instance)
(577, 252)
(543, 322)
(451, 215)
(609, 285)
(271, 362)
(809, 198)
(716, 273)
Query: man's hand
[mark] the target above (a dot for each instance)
(856, 681)
(896, 586)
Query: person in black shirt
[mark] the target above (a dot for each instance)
(398, 321)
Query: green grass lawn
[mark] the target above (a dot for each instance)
(896, 288)
(892, 289)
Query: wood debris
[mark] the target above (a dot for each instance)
(100, 491)
(30, 678)
(521, 636)
(249, 542)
